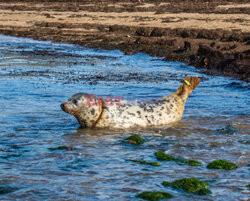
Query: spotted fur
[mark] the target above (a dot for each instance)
(157, 112)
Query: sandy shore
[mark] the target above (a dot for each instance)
(213, 35)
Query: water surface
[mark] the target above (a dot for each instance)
(36, 77)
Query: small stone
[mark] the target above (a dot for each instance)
(135, 139)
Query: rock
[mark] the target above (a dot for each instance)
(154, 195)
(6, 189)
(187, 45)
(135, 139)
(212, 44)
(146, 162)
(204, 191)
(193, 163)
(61, 147)
(207, 51)
(161, 156)
(157, 32)
(190, 185)
(185, 34)
(141, 31)
(221, 164)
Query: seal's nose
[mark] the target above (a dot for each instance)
(62, 106)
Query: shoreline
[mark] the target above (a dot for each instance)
(222, 50)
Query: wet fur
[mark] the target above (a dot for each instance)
(157, 112)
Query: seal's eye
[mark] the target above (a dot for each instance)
(74, 102)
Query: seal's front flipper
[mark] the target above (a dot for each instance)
(189, 84)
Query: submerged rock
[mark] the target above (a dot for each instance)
(154, 195)
(221, 164)
(204, 191)
(193, 163)
(228, 130)
(161, 156)
(146, 162)
(166, 183)
(61, 147)
(135, 139)
(190, 185)
(6, 189)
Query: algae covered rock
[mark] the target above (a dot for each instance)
(166, 183)
(135, 139)
(146, 162)
(154, 195)
(190, 185)
(161, 156)
(221, 164)
(193, 163)
(204, 191)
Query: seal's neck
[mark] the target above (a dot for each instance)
(89, 116)
(100, 115)
(190, 83)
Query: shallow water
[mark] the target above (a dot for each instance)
(36, 77)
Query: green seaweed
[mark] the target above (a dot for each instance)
(166, 183)
(135, 139)
(193, 163)
(204, 191)
(154, 195)
(161, 156)
(146, 162)
(221, 164)
(61, 147)
(190, 185)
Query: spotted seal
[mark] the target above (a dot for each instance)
(92, 112)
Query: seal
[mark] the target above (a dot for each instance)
(92, 112)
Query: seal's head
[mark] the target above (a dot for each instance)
(190, 83)
(86, 108)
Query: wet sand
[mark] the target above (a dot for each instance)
(213, 35)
